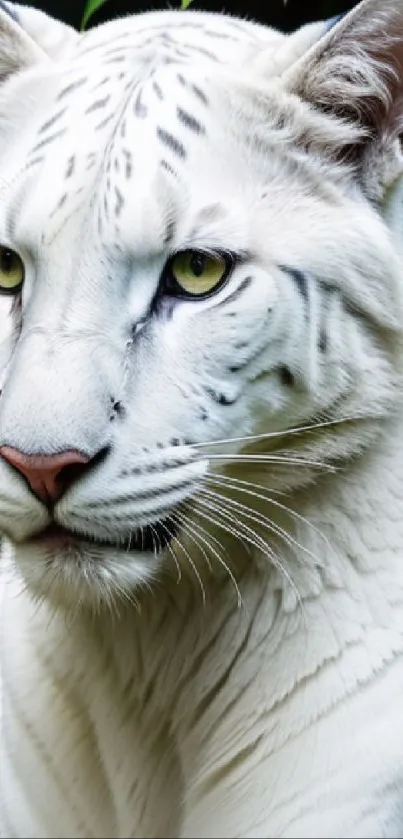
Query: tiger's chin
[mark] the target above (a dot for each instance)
(76, 574)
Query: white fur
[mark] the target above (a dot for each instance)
(247, 680)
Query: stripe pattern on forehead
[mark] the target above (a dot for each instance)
(190, 121)
(171, 142)
(194, 88)
(51, 121)
(141, 49)
(72, 87)
(173, 39)
(184, 39)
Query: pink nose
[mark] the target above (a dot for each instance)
(47, 474)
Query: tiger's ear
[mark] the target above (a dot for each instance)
(28, 36)
(355, 75)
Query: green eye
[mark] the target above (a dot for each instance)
(195, 273)
(11, 271)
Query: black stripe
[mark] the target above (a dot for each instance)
(158, 90)
(34, 162)
(236, 293)
(140, 109)
(103, 122)
(286, 376)
(169, 232)
(220, 397)
(119, 201)
(71, 87)
(189, 121)
(51, 121)
(119, 59)
(145, 495)
(48, 140)
(70, 166)
(59, 205)
(322, 342)
(172, 142)
(99, 103)
(300, 279)
(201, 51)
(102, 83)
(200, 94)
(168, 168)
(128, 162)
(223, 35)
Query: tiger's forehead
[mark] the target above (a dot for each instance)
(134, 66)
(172, 35)
(129, 153)
(129, 63)
(141, 128)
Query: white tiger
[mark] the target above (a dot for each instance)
(201, 471)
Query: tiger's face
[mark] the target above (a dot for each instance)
(182, 263)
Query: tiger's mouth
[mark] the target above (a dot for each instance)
(152, 538)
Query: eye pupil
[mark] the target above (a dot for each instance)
(7, 260)
(197, 264)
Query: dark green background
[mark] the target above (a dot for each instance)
(272, 12)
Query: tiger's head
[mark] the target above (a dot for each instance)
(200, 248)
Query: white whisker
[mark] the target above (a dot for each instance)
(242, 483)
(173, 555)
(271, 435)
(279, 460)
(261, 520)
(189, 558)
(253, 538)
(128, 596)
(239, 485)
(221, 562)
(204, 530)
(187, 526)
(231, 530)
